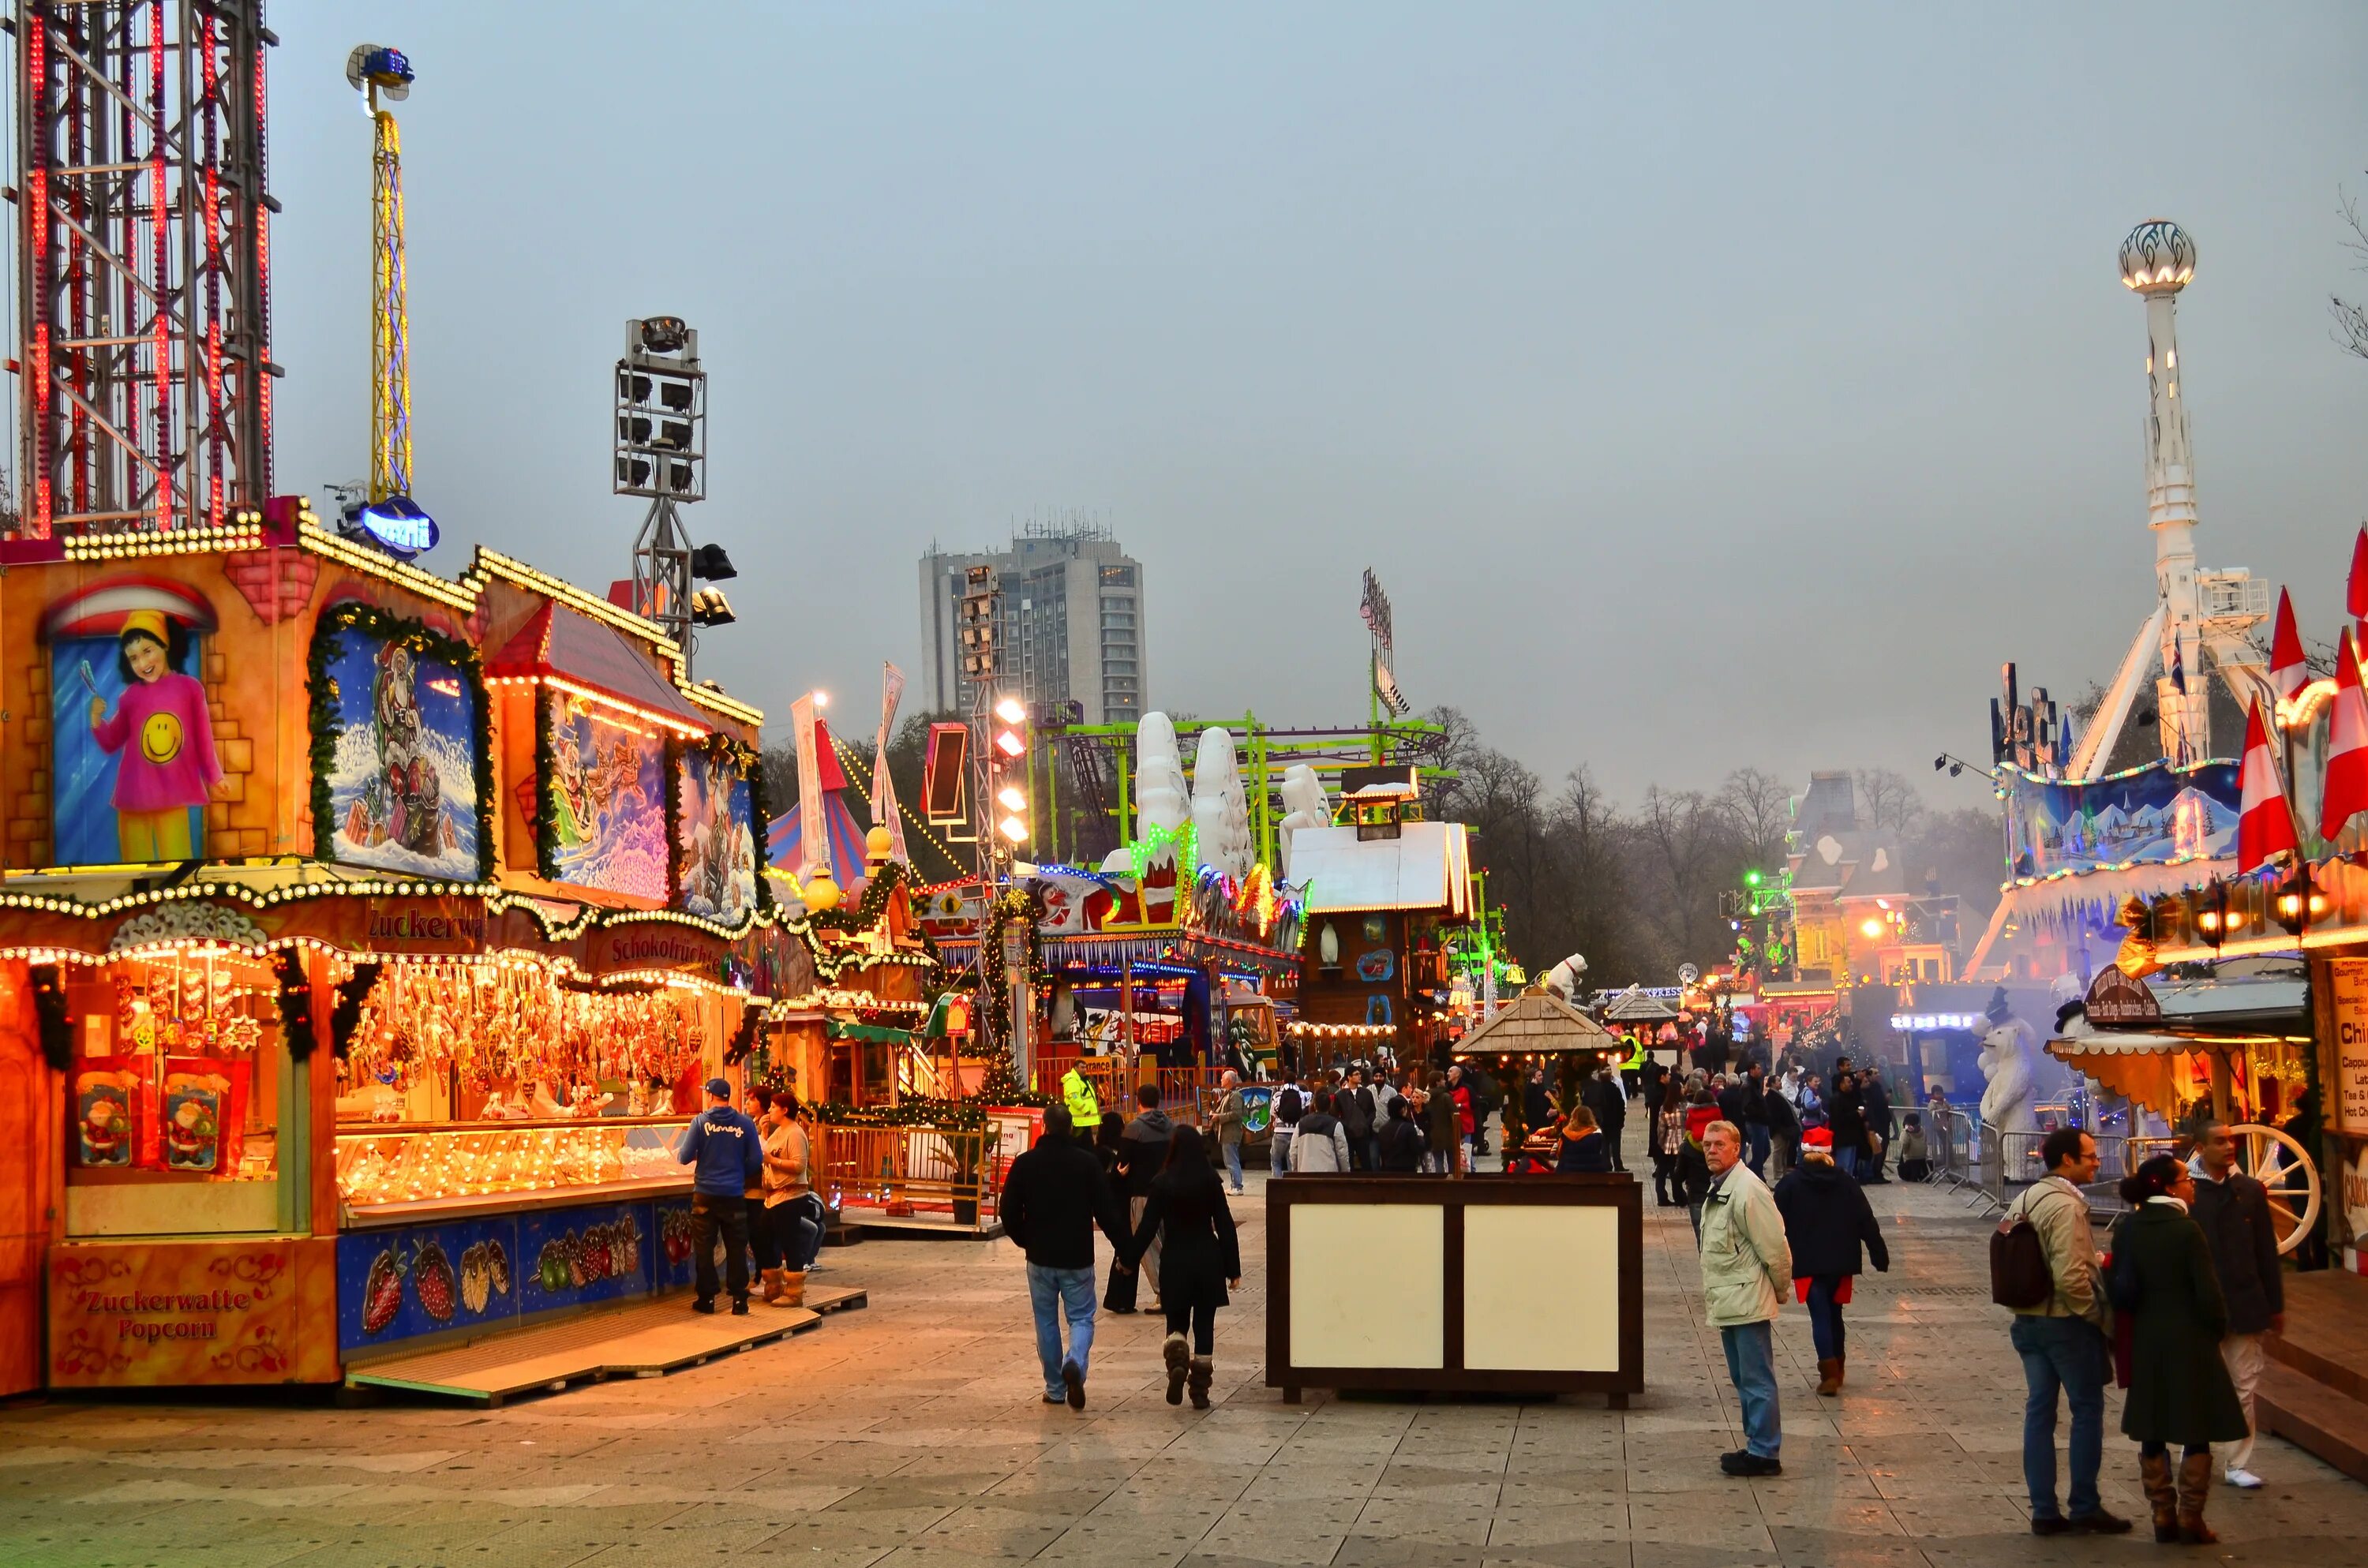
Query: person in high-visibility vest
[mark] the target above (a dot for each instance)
(1085, 1108)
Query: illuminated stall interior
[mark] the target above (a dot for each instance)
(183, 1086)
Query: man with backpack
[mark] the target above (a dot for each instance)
(2043, 1266)
(1290, 1105)
(1353, 1103)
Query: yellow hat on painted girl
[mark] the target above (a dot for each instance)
(150, 622)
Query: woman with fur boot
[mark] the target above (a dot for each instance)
(2162, 1276)
(1200, 1259)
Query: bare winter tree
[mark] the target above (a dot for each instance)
(1687, 855)
(1759, 809)
(2351, 319)
(1886, 801)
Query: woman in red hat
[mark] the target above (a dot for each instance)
(1831, 1229)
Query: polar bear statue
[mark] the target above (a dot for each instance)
(2010, 1074)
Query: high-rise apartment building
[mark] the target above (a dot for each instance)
(1070, 624)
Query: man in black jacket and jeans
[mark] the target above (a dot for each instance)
(1053, 1198)
(1354, 1106)
(2234, 1210)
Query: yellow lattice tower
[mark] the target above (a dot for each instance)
(379, 71)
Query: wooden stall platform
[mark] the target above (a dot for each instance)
(880, 1222)
(2314, 1393)
(647, 1339)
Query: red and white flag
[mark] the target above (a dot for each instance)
(2347, 745)
(2265, 823)
(2355, 590)
(2289, 669)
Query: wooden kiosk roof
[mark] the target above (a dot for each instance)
(1537, 1023)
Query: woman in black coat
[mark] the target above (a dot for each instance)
(1201, 1258)
(1401, 1140)
(2180, 1389)
(1831, 1230)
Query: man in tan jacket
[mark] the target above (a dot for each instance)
(2063, 1341)
(1746, 1270)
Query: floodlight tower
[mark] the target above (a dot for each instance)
(660, 453)
(379, 72)
(144, 321)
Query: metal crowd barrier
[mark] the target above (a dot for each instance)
(927, 1174)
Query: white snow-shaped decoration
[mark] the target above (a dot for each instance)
(1883, 859)
(1305, 804)
(1830, 849)
(1162, 807)
(1221, 813)
(1161, 800)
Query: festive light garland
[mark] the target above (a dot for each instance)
(849, 760)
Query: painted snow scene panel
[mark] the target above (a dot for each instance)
(606, 800)
(402, 791)
(717, 838)
(2149, 816)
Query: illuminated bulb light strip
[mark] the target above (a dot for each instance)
(717, 701)
(245, 533)
(682, 728)
(370, 564)
(2294, 713)
(1342, 1031)
(488, 564)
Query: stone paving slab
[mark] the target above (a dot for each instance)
(912, 1435)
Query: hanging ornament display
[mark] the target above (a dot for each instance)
(517, 1024)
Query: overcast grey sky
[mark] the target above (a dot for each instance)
(1708, 385)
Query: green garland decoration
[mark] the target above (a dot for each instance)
(385, 626)
(677, 757)
(546, 791)
(958, 1116)
(1002, 1085)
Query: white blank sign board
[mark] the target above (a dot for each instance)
(1541, 1288)
(1368, 1285)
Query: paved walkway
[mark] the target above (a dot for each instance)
(911, 1434)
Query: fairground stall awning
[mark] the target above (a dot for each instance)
(1536, 1023)
(1636, 1006)
(573, 654)
(2258, 1024)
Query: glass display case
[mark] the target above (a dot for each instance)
(174, 1096)
(398, 1173)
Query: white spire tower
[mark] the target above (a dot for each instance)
(2197, 613)
(2156, 261)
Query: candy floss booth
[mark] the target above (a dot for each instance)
(365, 937)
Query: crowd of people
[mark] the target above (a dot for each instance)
(1773, 1171)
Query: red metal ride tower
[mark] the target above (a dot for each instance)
(145, 271)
